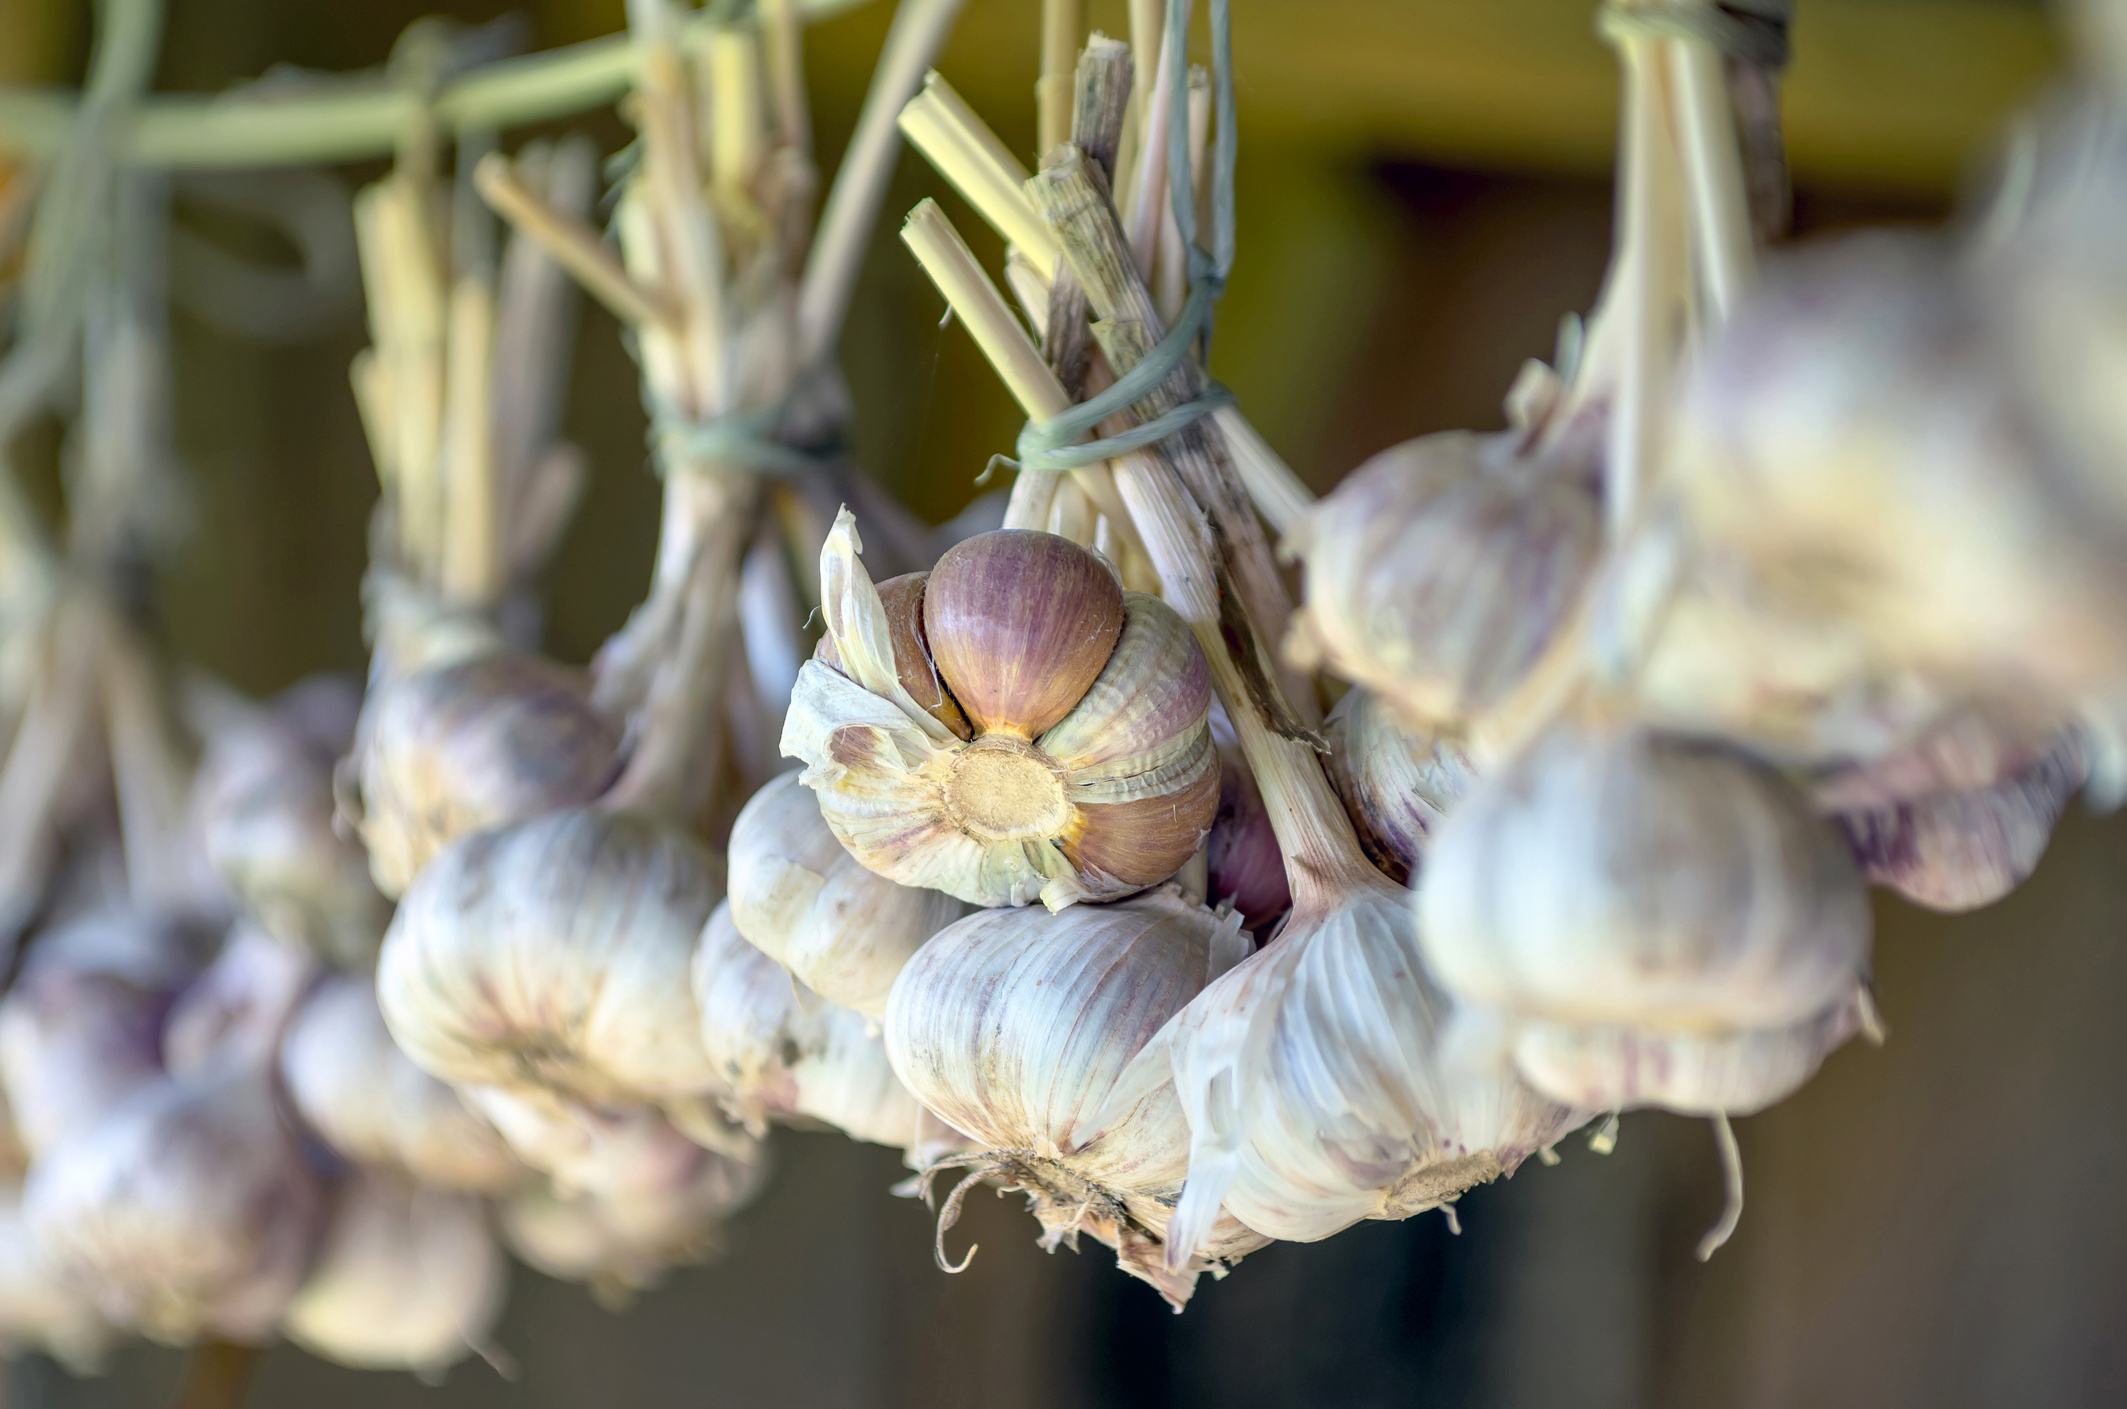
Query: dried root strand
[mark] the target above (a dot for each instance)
(1724, 1138)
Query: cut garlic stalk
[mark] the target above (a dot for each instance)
(798, 896)
(1086, 769)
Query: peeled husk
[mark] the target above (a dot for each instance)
(1396, 787)
(406, 1278)
(1014, 1027)
(799, 896)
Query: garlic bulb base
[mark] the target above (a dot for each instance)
(1437, 1185)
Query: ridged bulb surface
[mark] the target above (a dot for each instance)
(1439, 571)
(798, 895)
(1012, 727)
(1396, 787)
(471, 744)
(552, 956)
(406, 1278)
(1315, 1092)
(1014, 1026)
(362, 1096)
(1626, 880)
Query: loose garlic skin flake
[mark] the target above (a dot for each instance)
(1076, 762)
(797, 895)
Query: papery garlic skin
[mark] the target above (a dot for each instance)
(366, 1099)
(187, 1211)
(1439, 571)
(1396, 787)
(1960, 850)
(263, 800)
(1315, 1093)
(553, 956)
(782, 1052)
(799, 896)
(237, 1010)
(1242, 862)
(406, 1278)
(81, 1029)
(471, 744)
(1091, 771)
(1015, 1025)
(39, 1311)
(616, 1153)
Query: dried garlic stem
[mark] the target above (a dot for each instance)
(1148, 186)
(1647, 251)
(783, 28)
(939, 124)
(738, 134)
(1720, 207)
(572, 244)
(1061, 23)
(471, 568)
(43, 760)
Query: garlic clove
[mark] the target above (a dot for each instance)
(1396, 787)
(902, 597)
(237, 1010)
(38, 1310)
(366, 1099)
(1613, 1067)
(473, 744)
(800, 896)
(1244, 865)
(406, 1278)
(552, 955)
(1960, 850)
(1641, 881)
(1153, 692)
(1020, 624)
(187, 1211)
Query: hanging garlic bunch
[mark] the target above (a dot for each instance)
(81, 1030)
(1084, 769)
(807, 904)
(1397, 787)
(784, 1052)
(362, 1096)
(264, 804)
(1014, 1026)
(406, 1278)
(1660, 923)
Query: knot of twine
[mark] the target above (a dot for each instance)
(736, 441)
(1749, 31)
(1054, 444)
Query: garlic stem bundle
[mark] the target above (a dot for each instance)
(1084, 768)
(785, 1052)
(367, 1100)
(807, 904)
(406, 1278)
(1015, 1025)
(263, 799)
(1657, 922)
(1396, 787)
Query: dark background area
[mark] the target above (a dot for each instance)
(1423, 194)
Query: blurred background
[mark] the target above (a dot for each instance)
(1423, 192)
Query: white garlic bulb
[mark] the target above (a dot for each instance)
(799, 896)
(1626, 880)
(1015, 1025)
(38, 1310)
(1397, 787)
(1960, 850)
(472, 743)
(187, 1211)
(785, 1052)
(237, 1010)
(1011, 726)
(553, 955)
(1440, 570)
(263, 800)
(81, 1029)
(366, 1099)
(405, 1278)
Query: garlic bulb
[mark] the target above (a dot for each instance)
(1636, 882)
(1085, 769)
(264, 802)
(81, 1029)
(783, 1051)
(1960, 850)
(1014, 1026)
(187, 1211)
(1243, 866)
(405, 1278)
(362, 1096)
(553, 956)
(470, 744)
(1397, 787)
(613, 1152)
(1855, 439)
(39, 1311)
(238, 1008)
(799, 896)
(1438, 572)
